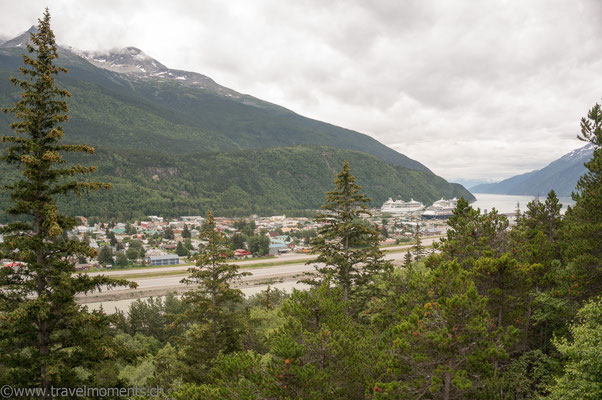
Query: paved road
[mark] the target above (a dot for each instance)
(242, 264)
(162, 285)
(258, 273)
(283, 258)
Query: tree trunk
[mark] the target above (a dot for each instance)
(43, 345)
(213, 314)
(43, 329)
(528, 321)
(346, 282)
(500, 314)
(446, 385)
(214, 322)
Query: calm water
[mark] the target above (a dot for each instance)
(507, 204)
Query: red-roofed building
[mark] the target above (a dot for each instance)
(241, 253)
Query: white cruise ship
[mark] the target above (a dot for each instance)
(400, 206)
(440, 209)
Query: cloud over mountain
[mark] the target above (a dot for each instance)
(473, 89)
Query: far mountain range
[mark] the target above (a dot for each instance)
(560, 175)
(175, 142)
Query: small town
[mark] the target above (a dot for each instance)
(159, 241)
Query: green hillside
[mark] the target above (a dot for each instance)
(268, 181)
(171, 148)
(116, 110)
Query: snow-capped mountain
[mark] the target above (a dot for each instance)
(19, 41)
(136, 63)
(156, 108)
(561, 175)
(582, 153)
(129, 60)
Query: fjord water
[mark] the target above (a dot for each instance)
(507, 203)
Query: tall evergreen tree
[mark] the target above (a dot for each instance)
(418, 248)
(517, 213)
(213, 304)
(584, 228)
(536, 237)
(181, 250)
(505, 282)
(44, 333)
(186, 232)
(347, 246)
(407, 259)
(472, 235)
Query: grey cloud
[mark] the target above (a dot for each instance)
(472, 89)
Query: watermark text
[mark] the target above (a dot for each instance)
(8, 392)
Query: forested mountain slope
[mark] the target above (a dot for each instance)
(266, 181)
(176, 142)
(178, 115)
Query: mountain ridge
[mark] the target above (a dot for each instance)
(134, 62)
(146, 123)
(285, 127)
(561, 175)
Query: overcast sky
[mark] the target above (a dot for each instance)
(472, 89)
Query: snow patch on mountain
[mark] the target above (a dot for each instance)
(137, 64)
(561, 175)
(580, 153)
(21, 40)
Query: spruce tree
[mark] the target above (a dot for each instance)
(536, 238)
(213, 303)
(322, 351)
(472, 235)
(505, 282)
(407, 259)
(584, 227)
(181, 250)
(186, 232)
(347, 246)
(44, 333)
(517, 213)
(418, 248)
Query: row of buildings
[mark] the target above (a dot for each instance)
(284, 233)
